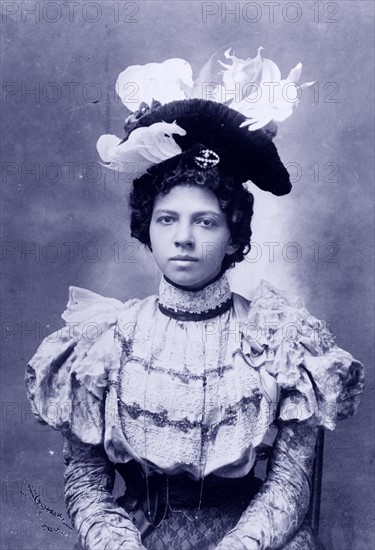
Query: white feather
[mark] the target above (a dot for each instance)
(144, 147)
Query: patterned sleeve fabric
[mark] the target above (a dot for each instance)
(315, 383)
(100, 522)
(278, 510)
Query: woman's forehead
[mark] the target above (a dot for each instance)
(189, 199)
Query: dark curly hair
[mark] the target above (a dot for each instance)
(235, 201)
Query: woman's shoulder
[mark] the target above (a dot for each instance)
(67, 377)
(83, 304)
(267, 296)
(319, 381)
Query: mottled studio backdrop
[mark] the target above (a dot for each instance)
(65, 219)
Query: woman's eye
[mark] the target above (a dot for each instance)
(206, 222)
(166, 220)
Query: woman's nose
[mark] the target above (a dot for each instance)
(184, 235)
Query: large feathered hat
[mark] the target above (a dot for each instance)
(225, 118)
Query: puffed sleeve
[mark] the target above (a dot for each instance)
(298, 360)
(67, 377)
(66, 382)
(312, 382)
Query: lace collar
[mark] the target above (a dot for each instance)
(195, 305)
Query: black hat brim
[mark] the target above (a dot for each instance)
(217, 127)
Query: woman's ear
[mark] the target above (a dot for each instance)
(231, 248)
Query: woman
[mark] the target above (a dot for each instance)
(181, 391)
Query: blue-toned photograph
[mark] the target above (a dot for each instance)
(188, 275)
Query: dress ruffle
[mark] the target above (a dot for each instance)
(318, 382)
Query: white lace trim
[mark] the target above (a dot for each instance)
(199, 301)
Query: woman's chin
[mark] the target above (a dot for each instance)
(183, 279)
(188, 279)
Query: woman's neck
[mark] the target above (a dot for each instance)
(199, 287)
(187, 304)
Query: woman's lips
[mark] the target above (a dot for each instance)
(183, 259)
(183, 262)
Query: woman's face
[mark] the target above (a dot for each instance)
(189, 235)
